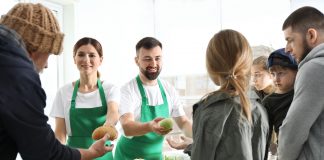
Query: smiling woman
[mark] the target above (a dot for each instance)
(87, 103)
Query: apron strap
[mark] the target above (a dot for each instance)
(145, 99)
(101, 92)
(75, 92)
(165, 101)
(141, 89)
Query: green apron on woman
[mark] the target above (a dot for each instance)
(84, 120)
(148, 146)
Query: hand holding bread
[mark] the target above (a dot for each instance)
(99, 132)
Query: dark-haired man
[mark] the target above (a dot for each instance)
(301, 135)
(145, 101)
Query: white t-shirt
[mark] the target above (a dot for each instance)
(131, 99)
(62, 102)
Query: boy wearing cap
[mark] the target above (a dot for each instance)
(29, 34)
(283, 69)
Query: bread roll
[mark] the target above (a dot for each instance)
(99, 132)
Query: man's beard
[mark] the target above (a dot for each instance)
(150, 75)
(306, 50)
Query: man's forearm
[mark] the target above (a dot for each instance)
(185, 125)
(133, 128)
(187, 129)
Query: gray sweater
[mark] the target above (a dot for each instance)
(301, 135)
(221, 132)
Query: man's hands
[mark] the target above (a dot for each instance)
(155, 127)
(185, 141)
(96, 150)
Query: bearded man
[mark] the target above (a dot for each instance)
(146, 100)
(301, 135)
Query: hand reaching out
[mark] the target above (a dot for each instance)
(97, 149)
(185, 141)
(154, 124)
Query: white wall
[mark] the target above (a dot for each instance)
(6, 5)
(183, 26)
(319, 4)
(118, 25)
(259, 20)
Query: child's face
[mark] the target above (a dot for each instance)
(261, 78)
(284, 79)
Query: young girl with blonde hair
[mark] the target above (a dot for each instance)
(262, 80)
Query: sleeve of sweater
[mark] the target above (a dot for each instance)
(25, 121)
(306, 107)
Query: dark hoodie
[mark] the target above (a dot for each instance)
(23, 124)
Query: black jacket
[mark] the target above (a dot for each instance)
(277, 106)
(23, 124)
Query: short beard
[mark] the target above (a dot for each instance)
(306, 50)
(150, 76)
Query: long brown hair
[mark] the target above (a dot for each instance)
(228, 62)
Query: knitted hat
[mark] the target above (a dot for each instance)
(37, 26)
(281, 58)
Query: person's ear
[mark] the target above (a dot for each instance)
(312, 36)
(136, 60)
(101, 59)
(74, 60)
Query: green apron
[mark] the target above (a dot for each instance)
(84, 120)
(148, 146)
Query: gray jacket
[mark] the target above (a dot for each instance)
(301, 135)
(221, 132)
